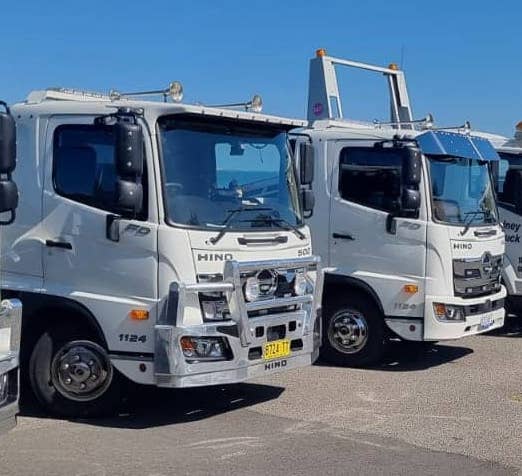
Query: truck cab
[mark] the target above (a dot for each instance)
(507, 176)
(405, 221)
(158, 241)
(10, 310)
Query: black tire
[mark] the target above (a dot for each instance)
(371, 350)
(46, 384)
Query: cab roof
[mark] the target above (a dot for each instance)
(67, 101)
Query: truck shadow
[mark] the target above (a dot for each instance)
(411, 357)
(512, 328)
(150, 407)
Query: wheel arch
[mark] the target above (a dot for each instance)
(41, 311)
(339, 285)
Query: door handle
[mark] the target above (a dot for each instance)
(343, 236)
(58, 244)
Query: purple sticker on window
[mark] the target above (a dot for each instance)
(318, 108)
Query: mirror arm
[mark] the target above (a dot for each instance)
(112, 227)
(391, 223)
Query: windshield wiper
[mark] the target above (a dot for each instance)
(282, 223)
(471, 216)
(226, 222)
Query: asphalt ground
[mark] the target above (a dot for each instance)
(453, 409)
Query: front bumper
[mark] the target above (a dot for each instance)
(491, 306)
(10, 329)
(300, 326)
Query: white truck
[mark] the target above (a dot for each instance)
(10, 310)
(405, 221)
(507, 176)
(160, 241)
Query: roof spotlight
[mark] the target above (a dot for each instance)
(175, 91)
(256, 104)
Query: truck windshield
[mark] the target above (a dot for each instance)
(462, 191)
(227, 174)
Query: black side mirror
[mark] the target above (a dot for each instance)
(129, 167)
(129, 196)
(306, 163)
(307, 201)
(129, 149)
(411, 167)
(8, 188)
(7, 143)
(129, 160)
(410, 200)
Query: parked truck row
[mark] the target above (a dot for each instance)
(187, 245)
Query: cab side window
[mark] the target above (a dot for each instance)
(508, 178)
(84, 167)
(371, 177)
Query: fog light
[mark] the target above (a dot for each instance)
(4, 388)
(214, 310)
(204, 348)
(446, 312)
(300, 283)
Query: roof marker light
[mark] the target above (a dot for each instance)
(393, 67)
(320, 52)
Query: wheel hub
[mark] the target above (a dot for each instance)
(81, 370)
(348, 331)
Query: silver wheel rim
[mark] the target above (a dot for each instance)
(348, 331)
(81, 371)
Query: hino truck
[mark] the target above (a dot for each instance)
(405, 221)
(10, 310)
(158, 241)
(507, 176)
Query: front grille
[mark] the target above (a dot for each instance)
(482, 308)
(477, 276)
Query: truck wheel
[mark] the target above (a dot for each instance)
(72, 376)
(353, 333)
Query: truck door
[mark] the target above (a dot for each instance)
(507, 176)
(80, 262)
(365, 187)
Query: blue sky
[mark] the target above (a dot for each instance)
(463, 60)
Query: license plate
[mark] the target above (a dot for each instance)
(276, 349)
(486, 322)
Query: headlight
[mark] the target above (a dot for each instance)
(252, 289)
(300, 283)
(204, 348)
(446, 312)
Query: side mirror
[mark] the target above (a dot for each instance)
(306, 163)
(8, 188)
(129, 197)
(129, 167)
(129, 150)
(307, 201)
(410, 200)
(7, 143)
(411, 166)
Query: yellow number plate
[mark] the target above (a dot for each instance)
(276, 349)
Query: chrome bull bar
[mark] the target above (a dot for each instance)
(10, 330)
(168, 360)
(238, 307)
